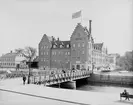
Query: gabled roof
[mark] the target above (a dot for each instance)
(45, 36)
(50, 38)
(85, 30)
(9, 55)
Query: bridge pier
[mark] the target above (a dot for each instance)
(69, 84)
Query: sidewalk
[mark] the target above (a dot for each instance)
(74, 96)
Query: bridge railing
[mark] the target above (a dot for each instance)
(12, 74)
(58, 78)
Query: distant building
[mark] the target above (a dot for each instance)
(12, 60)
(79, 53)
(99, 56)
(112, 58)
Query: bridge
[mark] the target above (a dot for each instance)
(59, 77)
(50, 77)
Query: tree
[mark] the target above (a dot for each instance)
(126, 61)
(29, 53)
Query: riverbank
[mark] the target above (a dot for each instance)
(58, 96)
(125, 79)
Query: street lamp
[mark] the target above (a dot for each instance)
(93, 66)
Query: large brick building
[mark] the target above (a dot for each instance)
(80, 52)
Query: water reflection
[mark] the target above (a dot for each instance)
(104, 88)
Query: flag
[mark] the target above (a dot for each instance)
(76, 15)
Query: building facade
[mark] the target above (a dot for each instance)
(79, 53)
(12, 60)
(54, 54)
(99, 56)
(112, 60)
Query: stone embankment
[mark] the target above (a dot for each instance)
(111, 79)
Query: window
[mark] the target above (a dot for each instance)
(47, 53)
(78, 44)
(44, 53)
(73, 45)
(83, 44)
(68, 46)
(54, 46)
(52, 53)
(60, 46)
(82, 52)
(68, 53)
(41, 53)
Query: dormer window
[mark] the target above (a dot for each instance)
(67, 45)
(54, 46)
(60, 46)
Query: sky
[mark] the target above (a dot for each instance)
(24, 22)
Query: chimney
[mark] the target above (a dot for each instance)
(52, 38)
(58, 39)
(90, 26)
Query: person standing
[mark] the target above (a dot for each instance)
(24, 79)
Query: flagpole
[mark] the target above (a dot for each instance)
(81, 17)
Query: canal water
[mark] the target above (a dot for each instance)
(104, 88)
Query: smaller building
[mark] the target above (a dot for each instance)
(11, 60)
(99, 56)
(112, 61)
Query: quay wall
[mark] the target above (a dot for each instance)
(111, 79)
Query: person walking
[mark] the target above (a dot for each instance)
(24, 79)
